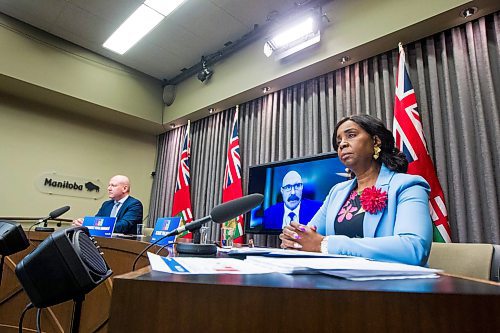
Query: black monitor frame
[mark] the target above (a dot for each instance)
(320, 173)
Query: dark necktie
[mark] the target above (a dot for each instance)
(291, 215)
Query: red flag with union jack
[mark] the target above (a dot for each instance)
(232, 182)
(182, 197)
(409, 135)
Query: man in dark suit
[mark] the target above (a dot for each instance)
(293, 207)
(126, 209)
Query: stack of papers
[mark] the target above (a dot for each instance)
(274, 252)
(292, 262)
(352, 268)
(199, 265)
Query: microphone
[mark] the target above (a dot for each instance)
(234, 208)
(55, 214)
(219, 214)
(52, 215)
(223, 212)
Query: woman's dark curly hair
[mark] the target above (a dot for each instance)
(389, 154)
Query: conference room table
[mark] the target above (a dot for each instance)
(150, 301)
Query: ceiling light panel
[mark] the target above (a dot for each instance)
(163, 7)
(143, 20)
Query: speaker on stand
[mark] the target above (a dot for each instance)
(12, 240)
(66, 265)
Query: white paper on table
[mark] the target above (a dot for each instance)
(400, 277)
(199, 265)
(285, 253)
(350, 268)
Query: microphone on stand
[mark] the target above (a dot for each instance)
(52, 215)
(219, 214)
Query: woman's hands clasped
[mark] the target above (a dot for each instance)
(300, 237)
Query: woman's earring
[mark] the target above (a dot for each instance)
(348, 172)
(377, 152)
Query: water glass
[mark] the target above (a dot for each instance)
(139, 229)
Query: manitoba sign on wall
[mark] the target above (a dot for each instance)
(73, 186)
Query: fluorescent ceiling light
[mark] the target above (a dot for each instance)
(142, 21)
(163, 7)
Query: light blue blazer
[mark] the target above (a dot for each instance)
(402, 232)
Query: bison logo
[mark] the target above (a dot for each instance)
(91, 187)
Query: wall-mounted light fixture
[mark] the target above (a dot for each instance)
(295, 37)
(344, 59)
(172, 125)
(468, 12)
(211, 110)
(265, 89)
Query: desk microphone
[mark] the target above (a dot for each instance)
(52, 215)
(219, 214)
(55, 214)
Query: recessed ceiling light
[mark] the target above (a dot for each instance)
(137, 25)
(344, 59)
(468, 12)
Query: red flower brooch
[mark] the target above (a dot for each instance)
(373, 200)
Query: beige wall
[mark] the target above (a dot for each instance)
(35, 139)
(82, 82)
(62, 72)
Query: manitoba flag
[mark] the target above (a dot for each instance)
(409, 136)
(182, 197)
(232, 181)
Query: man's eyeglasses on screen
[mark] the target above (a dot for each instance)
(296, 187)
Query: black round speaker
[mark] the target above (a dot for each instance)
(90, 255)
(65, 266)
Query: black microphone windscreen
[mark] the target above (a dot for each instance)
(234, 208)
(58, 212)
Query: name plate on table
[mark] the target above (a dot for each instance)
(100, 226)
(162, 227)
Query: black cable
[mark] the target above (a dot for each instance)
(164, 246)
(28, 306)
(38, 319)
(29, 229)
(172, 233)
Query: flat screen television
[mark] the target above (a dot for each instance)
(318, 175)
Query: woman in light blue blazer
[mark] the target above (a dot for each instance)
(381, 214)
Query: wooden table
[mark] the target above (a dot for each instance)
(148, 301)
(118, 253)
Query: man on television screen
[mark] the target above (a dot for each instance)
(293, 207)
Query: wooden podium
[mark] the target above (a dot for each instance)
(148, 301)
(118, 253)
